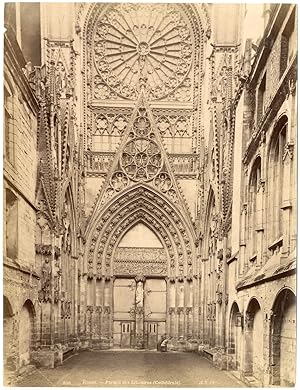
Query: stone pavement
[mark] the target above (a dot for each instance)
(131, 369)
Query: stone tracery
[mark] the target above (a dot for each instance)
(134, 41)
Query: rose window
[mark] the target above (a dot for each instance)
(149, 41)
(141, 159)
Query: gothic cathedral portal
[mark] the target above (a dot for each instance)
(139, 298)
(141, 276)
(140, 269)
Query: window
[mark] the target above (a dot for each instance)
(288, 44)
(261, 98)
(254, 205)
(125, 327)
(275, 178)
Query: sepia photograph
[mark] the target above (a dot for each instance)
(149, 194)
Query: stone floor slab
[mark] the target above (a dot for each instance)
(131, 369)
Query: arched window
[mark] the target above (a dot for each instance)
(254, 207)
(275, 181)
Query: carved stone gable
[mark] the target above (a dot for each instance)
(141, 158)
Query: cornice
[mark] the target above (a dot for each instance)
(14, 60)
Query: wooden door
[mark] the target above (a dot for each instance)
(126, 331)
(152, 335)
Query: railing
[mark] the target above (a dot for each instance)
(98, 163)
(184, 164)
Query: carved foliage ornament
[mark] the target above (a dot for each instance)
(134, 41)
(132, 261)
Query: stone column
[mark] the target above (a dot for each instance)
(139, 313)
(171, 306)
(102, 285)
(167, 306)
(98, 308)
(111, 300)
(180, 309)
(185, 304)
(52, 313)
(189, 308)
(74, 294)
(205, 302)
(93, 320)
(107, 311)
(195, 304)
(176, 309)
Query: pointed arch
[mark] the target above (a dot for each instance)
(234, 336)
(275, 174)
(7, 308)
(211, 205)
(140, 203)
(131, 235)
(283, 338)
(254, 339)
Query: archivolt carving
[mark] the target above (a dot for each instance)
(141, 40)
(140, 204)
(126, 222)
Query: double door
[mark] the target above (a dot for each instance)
(151, 334)
(139, 317)
(128, 331)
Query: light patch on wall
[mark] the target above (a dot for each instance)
(189, 188)
(140, 236)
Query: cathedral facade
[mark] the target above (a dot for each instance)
(150, 183)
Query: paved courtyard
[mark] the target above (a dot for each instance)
(131, 369)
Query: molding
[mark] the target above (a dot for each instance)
(276, 243)
(281, 272)
(14, 60)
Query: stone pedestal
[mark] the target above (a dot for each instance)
(48, 358)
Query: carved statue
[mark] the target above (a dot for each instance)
(46, 280)
(139, 295)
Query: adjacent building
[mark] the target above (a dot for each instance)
(150, 183)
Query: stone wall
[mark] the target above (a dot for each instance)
(21, 282)
(69, 203)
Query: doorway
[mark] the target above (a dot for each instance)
(152, 334)
(127, 330)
